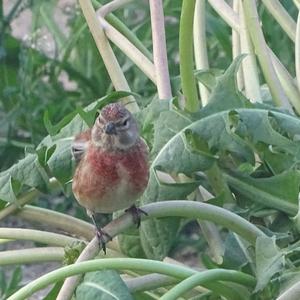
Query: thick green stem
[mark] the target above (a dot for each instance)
(39, 236)
(188, 81)
(29, 256)
(144, 265)
(57, 220)
(208, 276)
(218, 183)
(178, 208)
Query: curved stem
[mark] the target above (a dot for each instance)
(33, 255)
(160, 49)
(122, 42)
(208, 276)
(123, 29)
(58, 220)
(39, 236)
(257, 37)
(113, 68)
(178, 208)
(200, 47)
(141, 61)
(144, 265)
(188, 81)
(62, 221)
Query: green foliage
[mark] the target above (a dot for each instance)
(7, 288)
(106, 284)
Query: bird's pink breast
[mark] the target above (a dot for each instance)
(107, 181)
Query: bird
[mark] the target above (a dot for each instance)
(111, 166)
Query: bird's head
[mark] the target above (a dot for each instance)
(115, 128)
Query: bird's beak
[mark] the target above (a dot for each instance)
(110, 128)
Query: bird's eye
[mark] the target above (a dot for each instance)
(124, 123)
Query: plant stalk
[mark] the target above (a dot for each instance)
(98, 264)
(33, 255)
(250, 71)
(257, 37)
(188, 81)
(282, 17)
(38, 236)
(208, 276)
(200, 48)
(178, 208)
(236, 47)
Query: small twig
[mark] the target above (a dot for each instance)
(200, 47)
(160, 50)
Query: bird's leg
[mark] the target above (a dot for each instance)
(101, 235)
(136, 214)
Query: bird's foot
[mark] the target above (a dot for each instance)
(136, 214)
(103, 237)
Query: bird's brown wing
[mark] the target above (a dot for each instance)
(80, 144)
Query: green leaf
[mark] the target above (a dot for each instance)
(237, 253)
(226, 95)
(15, 281)
(280, 191)
(27, 171)
(269, 261)
(103, 285)
(130, 243)
(158, 235)
(208, 77)
(52, 295)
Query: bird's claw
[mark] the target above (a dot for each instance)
(136, 214)
(103, 237)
